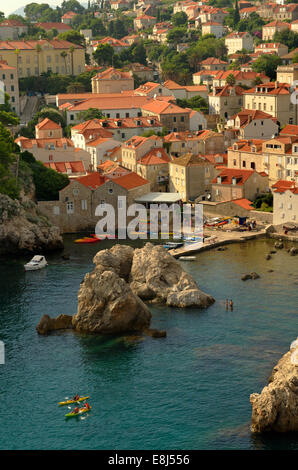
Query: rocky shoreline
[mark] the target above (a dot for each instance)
(276, 407)
(111, 299)
(23, 229)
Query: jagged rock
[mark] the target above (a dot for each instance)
(155, 333)
(268, 257)
(23, 229)
(293, 251)
(272, 252)
(255, 275)
(155, 269)
(107, 305)
(48, 324)
(279, 245)
(276, 407)
(250, 276)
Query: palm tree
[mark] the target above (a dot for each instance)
(38, 50)
(71, 51)
(64, 55)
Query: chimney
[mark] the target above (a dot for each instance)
(276, 84)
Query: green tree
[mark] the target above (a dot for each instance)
(180, 19)
(71, 5)
(176, 35)
(47, 182)
(236, 14)
(75, 87)
(267, 63)
(104, 54)
(72, 36)
(231, 80)
(287, 37)
(91, 113)
(64, 55)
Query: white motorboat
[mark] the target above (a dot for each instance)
(187, 258)
(37, 262)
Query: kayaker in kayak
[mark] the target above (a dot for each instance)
(76, 397)
(87, 406)
(76, 409)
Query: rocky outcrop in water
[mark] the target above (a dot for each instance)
(48, 324)
(23, 229)
(157, 276)
(110, 298)
(276, 407)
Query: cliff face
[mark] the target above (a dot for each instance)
(276, 407)
(24, 229)
(110, 299)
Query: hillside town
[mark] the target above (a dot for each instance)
(195, 100)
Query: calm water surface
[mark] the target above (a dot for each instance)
(187, 391)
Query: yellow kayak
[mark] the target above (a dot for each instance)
(81, 410)
(69, 402)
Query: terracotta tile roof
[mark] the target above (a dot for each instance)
(277, 24)
(92, 180)
(131, 180)
(270, 88)
(227, 89)
(48, 26)
(213, 61)
(42, 143)
(47, 124)
(189, 159)
(63, 167)
(290, 129)
(155, 156)
(111, 73)
(163, 107)
(244, 203)
(281, 186)
(237, 34)
(11, 23)
(111, 101)
(31, 45)
(229, 174)
(248, 115)
(171, 85)
(5, 66)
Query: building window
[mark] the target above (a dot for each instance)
(69, 207)
(84, 204)
(244, 163)
(110, 190)
(75, 192)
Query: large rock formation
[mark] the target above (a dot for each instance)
(110, 298)
(276, 407)
(156, 275)
(24, 229)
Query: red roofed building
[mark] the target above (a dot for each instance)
(112, 81)
(226, 100)
(213, 63)
(253, 124)
(273, 98)
(47, 129)
(34, 57)
(171, 116)
(73, 169)
(237, 41)
(269, 29)
(233, 184)
(12, 29)
(154, 167)
(60, 27)
(285, 202)
(241, 78)
(68, 17)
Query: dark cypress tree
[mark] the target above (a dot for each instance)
(236, 14)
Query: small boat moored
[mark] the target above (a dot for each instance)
(187, 258)
(37, 262)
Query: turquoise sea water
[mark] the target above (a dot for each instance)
(187, 391)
